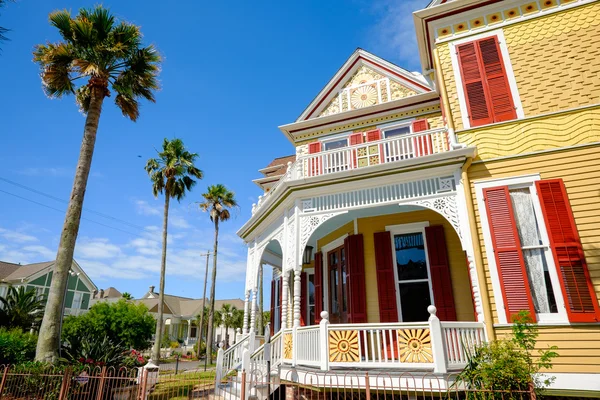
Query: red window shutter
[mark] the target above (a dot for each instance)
(501, 99)
(272, 307)
(507, 252)
(355, 138)
(314, 164)
(355, 270)
(373, 135)
(576, 285)
(318, 286)
(473, 84)
(422, 145)
(281, 302)
(386, 282)
(303, 298)
(485, 83)
(439, 267)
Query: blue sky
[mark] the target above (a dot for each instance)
(232, 72)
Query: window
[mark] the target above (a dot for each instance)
(413, 276)
(534, 251)
(77, 298)
(396, 131)
(487, 90)
(311, 299)
(335, 144)
(276, 302)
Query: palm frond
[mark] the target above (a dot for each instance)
(129, 106)
(61, 20)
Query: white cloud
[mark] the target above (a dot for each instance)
(178, 221)
(43, 251)
(17, 237)
(96, 249)
(393, 36)
(142, 207)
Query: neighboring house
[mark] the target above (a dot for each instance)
(110, 295)
(38, 276)
(473, 188)
(180, 314)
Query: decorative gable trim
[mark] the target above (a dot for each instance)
(357, 59)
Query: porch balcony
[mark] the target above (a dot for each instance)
(394, 151)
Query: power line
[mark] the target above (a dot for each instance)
(86, 219)
(67, 202)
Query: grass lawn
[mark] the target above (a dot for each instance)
(178, 386)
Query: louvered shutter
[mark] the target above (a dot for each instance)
(576, 285)
(485, 83)
(355, 270)
(272, 307)
(473, 84)
(303, 298)
(439, 267)
(502, 105)
(422, 145)
(314, 163)
(318, 286)
(373, 135)
(386, 282)
(375, 158)
(507, 252)
(354, 139)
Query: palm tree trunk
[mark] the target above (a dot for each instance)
(161, 291)
(203, 304)
(48, 344)
(211, 311)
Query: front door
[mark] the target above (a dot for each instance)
(338, 289)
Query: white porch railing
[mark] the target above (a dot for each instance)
(385, 151)
(460, 338)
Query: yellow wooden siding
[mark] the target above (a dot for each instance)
(578, 346)
(567, 79)
(458, 268)
(578, 168)
(531, 135)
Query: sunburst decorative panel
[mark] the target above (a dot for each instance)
(343, 346)
(288, 346)
(415, 345)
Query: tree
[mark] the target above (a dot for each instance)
(127, 296)
(217, 202)
(103, 53)
(266, 315)
(3, 31)
(122, 322)
(201, 321)
(229, 314)
(171, 173)
(21, 308)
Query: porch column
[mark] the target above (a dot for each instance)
(297, 291)
(253, 312)
(284, 300)
(189, 332)
(246, 311)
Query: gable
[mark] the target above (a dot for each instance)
(366, 88)
(364, 80)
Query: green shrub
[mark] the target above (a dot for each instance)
(174, 345)
(95, 351)
(16, 347)
(509, 364)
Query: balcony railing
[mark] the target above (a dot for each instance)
(386, 151)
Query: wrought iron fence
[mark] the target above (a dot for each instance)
(84, 383)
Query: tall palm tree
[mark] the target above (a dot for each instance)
(3, 31)
(104, 54)
(127, 296)
(21, 308)
(171, 173)
(217, 202)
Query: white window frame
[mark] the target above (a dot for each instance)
(308, 272)
(524, 181)
(395, 125)
(416, 227)
(510, 74)
(75, 293)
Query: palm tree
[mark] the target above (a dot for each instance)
(171, 173)
(127, 296)
(217, 202)
(21, 308)
(201, 321)
(229, 314)
(218, 321)
(102, 53)
(3, 30)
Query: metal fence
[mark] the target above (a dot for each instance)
(146, 384)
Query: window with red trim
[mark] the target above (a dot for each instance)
(486, 88)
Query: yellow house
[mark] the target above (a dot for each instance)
(421, 211)
(519, 81)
